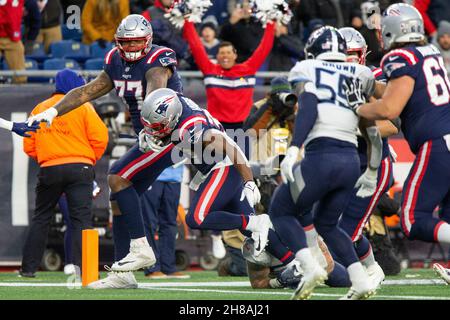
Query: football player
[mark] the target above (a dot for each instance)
(20, 128)
(417, 91)
(134, 68)
(326, 127)
(358, 211)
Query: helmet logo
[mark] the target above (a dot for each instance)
(162, 108)
(326, 45)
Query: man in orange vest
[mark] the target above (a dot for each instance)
(66, 152)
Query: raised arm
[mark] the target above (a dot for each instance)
(198, 50)
(263, 50)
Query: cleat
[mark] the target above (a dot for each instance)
(260, 235)
(376, 274)
(141, 256)
(70, 269)
(308, 282)
(218, 249)
(442, 272)
(355, 293)
(115, 280)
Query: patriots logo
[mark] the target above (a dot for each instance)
(162, 108)
(167, 61)
(391, 67)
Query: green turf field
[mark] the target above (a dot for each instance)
(421, 284)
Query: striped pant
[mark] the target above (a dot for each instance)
(358, 211)
(426, 188)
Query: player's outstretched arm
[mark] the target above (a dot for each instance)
(20, 128)
(75, 98)
(222, 144)
(390, 106)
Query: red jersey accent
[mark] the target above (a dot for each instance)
(10, 19)
(229, 92)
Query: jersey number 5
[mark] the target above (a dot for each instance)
(438, 84)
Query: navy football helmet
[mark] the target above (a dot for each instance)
(326, 43)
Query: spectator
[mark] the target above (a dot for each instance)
(229, 86)
(242, 30)
(160, 207)
(50, 23)
(78, 139)
(218, 10)
(208, 34)
(164, 33)
(100, 19)
(32, 23)
(137, 6)
(443, 43)
(334, 13)
(433, 12)
(11, 47)
(287, 50)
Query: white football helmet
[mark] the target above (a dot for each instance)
(355, 43)
(160, 112)
(134, 28)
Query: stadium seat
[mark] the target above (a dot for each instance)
(30, 64)
(69, 49)
(38, 53)
(59, 64)
(71, 34)
(98, 52)
(94, 64)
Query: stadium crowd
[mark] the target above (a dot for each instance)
(42, 34)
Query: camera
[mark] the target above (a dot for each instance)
(288, 99)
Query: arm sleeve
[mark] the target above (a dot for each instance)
(87, 16)
(263, 50)
(197, 48)
(306, 118)
(96, 131)
(422, 6)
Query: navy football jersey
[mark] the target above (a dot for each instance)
(129, 77)
(362, 144)
(193, 123)
(426, 116)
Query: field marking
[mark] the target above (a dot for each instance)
(181, 286)
(227, 284)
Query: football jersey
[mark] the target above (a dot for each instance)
(335, 117)
(11, 12)
(188, 133)
(426, 115)
(129, 77)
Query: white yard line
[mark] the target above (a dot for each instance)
(181, 286)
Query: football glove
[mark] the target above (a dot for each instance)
(353, 89)
(45, 116)
(367, 183)
(148, 143)
(251, 192)
(21, 128)
(290, 277)
(193, 10)
(269, 10)
(288, 163)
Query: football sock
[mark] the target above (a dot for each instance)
(443, 233)
(277, 248)
(307, 262)
(357, 274)
(130, 206)
(121, 237)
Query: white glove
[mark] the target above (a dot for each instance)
(251, 192)
(148, 143)
(288, 163)
(45, 116)
(367, 183)
(354, 91)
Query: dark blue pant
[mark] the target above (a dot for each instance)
(327, 178)
(427, 186)
(216, 204)
(64, 207)
(160, 209)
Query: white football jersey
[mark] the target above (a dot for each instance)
(335, 117)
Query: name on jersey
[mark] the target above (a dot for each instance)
(428, 50)
(348, 68)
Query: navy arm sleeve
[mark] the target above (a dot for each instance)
(306, 117)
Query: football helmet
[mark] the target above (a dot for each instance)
(326, 43)
(401, 22)
(134, 28)
(160, 112)
(355, 43)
